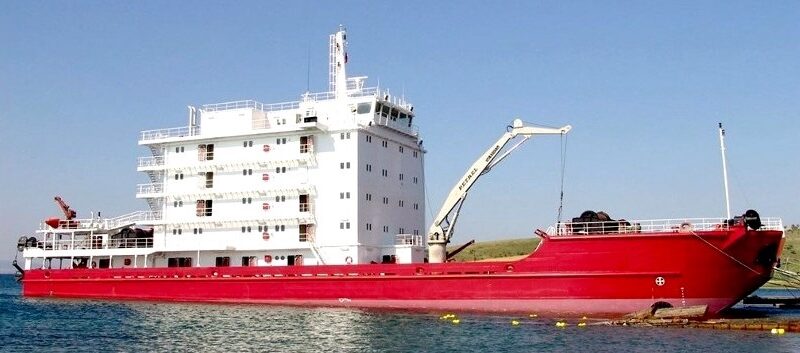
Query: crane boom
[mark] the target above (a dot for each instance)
(441, 230)
(69, 213)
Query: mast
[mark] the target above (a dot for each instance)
(724, 170)
(337, 74)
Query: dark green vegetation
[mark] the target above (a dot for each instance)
(790, 260)
(496, 249)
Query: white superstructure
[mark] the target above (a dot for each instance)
(334, 178)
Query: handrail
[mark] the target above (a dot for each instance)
(93, 243)
(159, 134)
(150, 188)
(408, 239)
(243, 104)
(680, 225)
(150, 161)
(101, 224)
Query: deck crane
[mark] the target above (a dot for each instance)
(69, 216)
(69, 213)
(441, 231)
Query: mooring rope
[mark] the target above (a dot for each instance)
(563, 171)
(726, 254)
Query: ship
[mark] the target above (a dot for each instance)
(320, 202)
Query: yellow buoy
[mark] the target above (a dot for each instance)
(561, 324)
(533, 315)
(514, 323)
(581, 324)
(456, 321)
(778, 331)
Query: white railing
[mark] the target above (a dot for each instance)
(677, 225)
(94, 242)
(408, 239)
(251, 104)
(133, 217)
(151, 161)
(149, 135)
(104, 223)
(403, 127)
(151, 188)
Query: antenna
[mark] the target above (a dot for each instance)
(724, 170)
(308, 68)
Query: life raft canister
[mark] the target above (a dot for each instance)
(265, 236)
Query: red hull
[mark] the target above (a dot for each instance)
(595, 274)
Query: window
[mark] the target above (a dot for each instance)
(416, 231)
(344, 195)
(416, 206)
(280, 228)
(179, 149)
(205, 152)
(415, 180)
(369, 197)
(204, 208)
(385, 144)
(401, 149)
(246, 144)
(344, 136)
(247, 229)
(179, 176)
(364, 108)
(385, 200)
(369, 139)
(249, 261)
(401, 176)
(209, 180)
(386, 229)
(179, 262)
(247, 200)
(415, 154)
(223, 261)
(305, 205)
(344, 225)
(369, 167)
(369, 226)
(280, 169)
(281, 198)
(384, 172)
(306, 144)
(401, 203)
(401, 231)
(305, 232)
(247, 172)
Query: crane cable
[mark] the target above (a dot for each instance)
(563, 172)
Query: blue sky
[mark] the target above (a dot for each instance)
(643, 83)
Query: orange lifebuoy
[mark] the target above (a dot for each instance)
(266, 148)
(265, 236)
(265, 177)
(265, 206)
(348, 260)
(267, 258)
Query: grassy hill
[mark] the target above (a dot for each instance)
(496, 249)
(790, 260)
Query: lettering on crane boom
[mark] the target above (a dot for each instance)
(494, 152)
(467, 179)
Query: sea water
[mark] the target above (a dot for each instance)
(44, 325)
